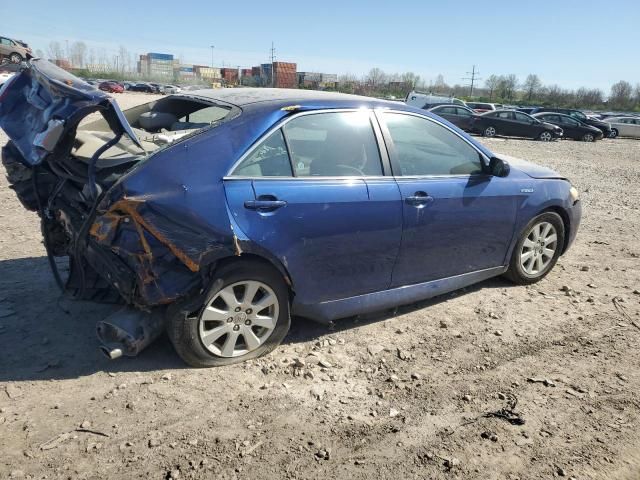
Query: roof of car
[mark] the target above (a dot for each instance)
(246, 96)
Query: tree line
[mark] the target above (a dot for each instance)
(505, 89)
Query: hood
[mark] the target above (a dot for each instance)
(531, 169)
(596, 122)
(43, 102)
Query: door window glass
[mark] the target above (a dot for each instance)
(505, 115)
(521, 117)
(269, 159)
(464, 113)
(333, 144)
(423, 147)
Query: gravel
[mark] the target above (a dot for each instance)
(357, 408)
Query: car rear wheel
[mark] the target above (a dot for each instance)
(545, 137)
(614, 133)
(244, 315)
(15, 58)
(490, 131)
(537, 250)
(589, 137)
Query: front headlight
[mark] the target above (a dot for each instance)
(573, 193)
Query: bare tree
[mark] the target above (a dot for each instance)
(410, 79)
(492, 83)
(78, 55)
(620, 96)
(531, 86)
(54, 51)
(40, 53)
(124, 59)
(440, 86)
(375, 77)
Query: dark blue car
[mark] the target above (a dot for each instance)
(219, 213)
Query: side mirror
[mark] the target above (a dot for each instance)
(498, 167)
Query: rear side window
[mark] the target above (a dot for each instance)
(463, 112)
(506, 115)
(423, 147)
(448, 110)
(333, 144)
(270, 159)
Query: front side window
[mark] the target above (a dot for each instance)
(333, 144)
(463, 112)
(448, 110)
(569, 121)
(269, 159)
(423, 147)
(521, 117)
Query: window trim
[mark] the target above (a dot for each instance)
(384, 156)
(395, 166)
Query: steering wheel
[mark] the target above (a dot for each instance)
(351, 170)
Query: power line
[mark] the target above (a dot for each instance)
(473, 79)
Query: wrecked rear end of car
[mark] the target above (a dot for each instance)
(123, 196)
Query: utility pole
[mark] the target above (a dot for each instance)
(212, 47)
(473, 79)
(273, 59)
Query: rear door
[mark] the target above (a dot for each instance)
(314, 195)
(457, 219)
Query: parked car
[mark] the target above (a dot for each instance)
(255, 204)
(479, 107)
(514, 124)
(625, 126)
(461, 117)
(578, 115)
(571, 127)
(15, 50)
(111, 87)
(429, 100)
(142, 87)
(169, 89)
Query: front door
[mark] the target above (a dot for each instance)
(314, 195)
(456, 218)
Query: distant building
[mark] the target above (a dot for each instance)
(229, 75)
(157, 65)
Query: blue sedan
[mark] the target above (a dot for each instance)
(217, 214)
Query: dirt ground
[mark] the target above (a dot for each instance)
(403, 394)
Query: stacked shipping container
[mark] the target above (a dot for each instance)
(284, 74)
(229, 75)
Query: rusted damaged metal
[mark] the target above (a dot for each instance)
(129, 207)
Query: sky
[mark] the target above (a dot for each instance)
(571, 43)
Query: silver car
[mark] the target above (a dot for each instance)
(625, 126)
(15, 51)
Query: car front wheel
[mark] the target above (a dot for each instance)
(589, 137)
(545, 137)
(490, 131)
(537, 250)
(244, 315)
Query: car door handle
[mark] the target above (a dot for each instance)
(264, 205)
(419, 199)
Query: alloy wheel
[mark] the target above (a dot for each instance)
(546, 136)
(490, 132)
(15, 58)
(588, 137)
(539, 248)
(238, 319)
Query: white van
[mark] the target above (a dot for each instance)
(428, 100)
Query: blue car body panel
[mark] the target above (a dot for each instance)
(345, 245)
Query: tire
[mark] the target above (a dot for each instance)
(188, 331)
(490, 131)
(526, 272)
(588, 137)
(15, 57)
(545, 136)
(614, 133)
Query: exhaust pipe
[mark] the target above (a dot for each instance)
(129, 331)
